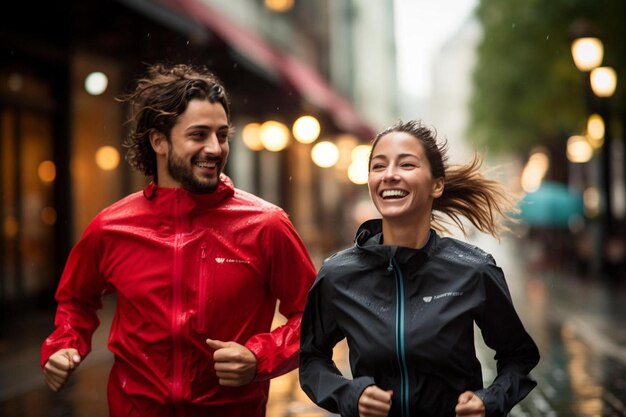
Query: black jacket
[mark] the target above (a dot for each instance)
(408, 316)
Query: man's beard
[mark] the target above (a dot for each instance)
(182, 173)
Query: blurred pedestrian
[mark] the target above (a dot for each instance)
(406, 299)
(197, 267)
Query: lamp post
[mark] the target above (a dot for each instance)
(588, 53)
(603, 81)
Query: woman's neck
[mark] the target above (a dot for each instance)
(413, 235)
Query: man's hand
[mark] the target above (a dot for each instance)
(235, 364)
(59, 367)
(374, 402)
(470, 405)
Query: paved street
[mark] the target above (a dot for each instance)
(578, 323)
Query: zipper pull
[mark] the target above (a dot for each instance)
(390, 266)
(203, 253)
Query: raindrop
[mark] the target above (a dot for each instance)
(513, 25)
(148, 35)
(290, 178)
(547, 37)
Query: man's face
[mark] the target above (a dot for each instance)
(198, 148)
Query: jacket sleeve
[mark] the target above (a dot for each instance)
(78, 297)
(320, 378)
(516, 352)
(291, 275)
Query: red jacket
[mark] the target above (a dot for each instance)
(185, 267)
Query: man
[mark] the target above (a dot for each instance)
(197, 267)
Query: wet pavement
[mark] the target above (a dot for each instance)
(578, 322)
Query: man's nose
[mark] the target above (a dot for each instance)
(212, 145)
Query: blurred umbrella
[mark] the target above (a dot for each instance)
(552, 205)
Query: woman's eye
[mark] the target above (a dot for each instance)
(376, 167)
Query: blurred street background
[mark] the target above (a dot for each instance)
(537, 88)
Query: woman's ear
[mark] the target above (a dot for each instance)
(438, 186)
(158, 142)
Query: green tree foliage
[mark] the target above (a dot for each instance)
(527, 90)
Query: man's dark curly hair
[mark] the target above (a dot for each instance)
(157, 102)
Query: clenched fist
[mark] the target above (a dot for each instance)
(59, 367)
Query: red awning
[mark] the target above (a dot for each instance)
(306, 80)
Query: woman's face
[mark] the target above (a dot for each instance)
(400, 182)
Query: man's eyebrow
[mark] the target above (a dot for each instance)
(203, 126)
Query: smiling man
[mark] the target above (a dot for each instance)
(197, 265)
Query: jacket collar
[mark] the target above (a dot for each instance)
(369, 237)
(161, 195)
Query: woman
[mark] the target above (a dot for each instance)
(407, 299)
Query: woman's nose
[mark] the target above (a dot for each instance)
(391, 173)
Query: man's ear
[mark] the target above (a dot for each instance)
(438, 186)
(158, 142)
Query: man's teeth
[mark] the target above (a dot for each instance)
(394, 193)
(206, 164)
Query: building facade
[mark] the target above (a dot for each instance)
(61, 146)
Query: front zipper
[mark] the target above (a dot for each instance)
(177, 310)
(202, 291)
(399, 335)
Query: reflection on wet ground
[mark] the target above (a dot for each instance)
(578, 324)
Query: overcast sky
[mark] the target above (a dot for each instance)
(422, 26)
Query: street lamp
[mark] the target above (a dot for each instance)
(579, 149)
(274, 135)
(587, 53)
(306, 129)
(251, 135)
(595, 130)
(603, 81)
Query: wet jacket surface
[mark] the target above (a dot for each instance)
(408, 316)
(185, 267)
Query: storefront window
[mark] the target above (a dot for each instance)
(26, 186)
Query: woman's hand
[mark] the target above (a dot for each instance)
(469, 405)
(374, 402)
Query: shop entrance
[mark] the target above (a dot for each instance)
(27, 178)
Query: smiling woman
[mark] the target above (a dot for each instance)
(408, 299)
(403, 187)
